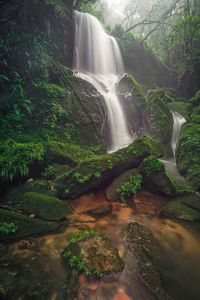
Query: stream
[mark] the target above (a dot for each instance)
(179, 251)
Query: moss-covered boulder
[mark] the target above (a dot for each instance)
(93, 254)
(158, 119)
(65, 153)
(45, 207)
(175, 209)
(188, 150)
(101, 169)
(15, 195)
(192, 201)
(132, 96)
(124, 186)
(25, 226)
(157, 180)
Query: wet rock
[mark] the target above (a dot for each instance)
(100, 170)
(192, 201)
(95, 253)
(112, 191)
(141, 253)
(45, 207)
(175, 209)
(99, 253)
(157, 180)
(25, 225)
(100, 211)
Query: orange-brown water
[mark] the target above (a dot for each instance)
(179, 247)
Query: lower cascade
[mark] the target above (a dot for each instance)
(98, 60)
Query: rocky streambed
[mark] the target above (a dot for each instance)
(161, 256)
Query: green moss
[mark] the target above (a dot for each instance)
(65, 153)
(188, 150)
(15, 195)
(181, 187)
(137, 89)
(46, 207)
(26, 226)
(180, 211)
(130, 187)
(151, 165)
(93, 170)
(159, 119)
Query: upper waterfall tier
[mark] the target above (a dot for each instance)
(98, 60)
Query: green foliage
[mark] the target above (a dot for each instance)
(76, 261)
(16, 158)
(184, 43)
(180, 187)
(82, 235)
(188, 149)
(183, 108)
(130, 187)
(50, 172)
(7, 228)
(152, 165)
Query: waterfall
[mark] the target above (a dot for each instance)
(178, 122)
(98, 60)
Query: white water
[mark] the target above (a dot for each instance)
(98, 60)
(178, 122)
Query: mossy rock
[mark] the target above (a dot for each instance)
(93, 254)
(158, 119)
(113, 190)
(192, 201)
(188, 150)
(26, 226)
(15, 195)
(65, 153)
(175, 209)
(157, 180)
(101, 169)
(45, 207)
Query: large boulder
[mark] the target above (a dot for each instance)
(156, 179)
(115, 190)
(175, 209)
(43, 206)
(24, 226)
(188, 150)
(95, 253)
(158, 119)
(100, 170)
(132, 98)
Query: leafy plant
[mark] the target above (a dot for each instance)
(50, 172)
(15, 158)
(7, 228)
(130, 187)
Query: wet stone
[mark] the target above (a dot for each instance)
(100, 211)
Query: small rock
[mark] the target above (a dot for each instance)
(100, 211)
(32, 216)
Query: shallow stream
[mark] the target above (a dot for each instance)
(179, 251)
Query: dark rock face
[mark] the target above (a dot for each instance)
(177, 210)
(142, 252)
(100, 211)
(88, 113)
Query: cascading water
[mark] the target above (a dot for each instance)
(98, 60)
(178, 122)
